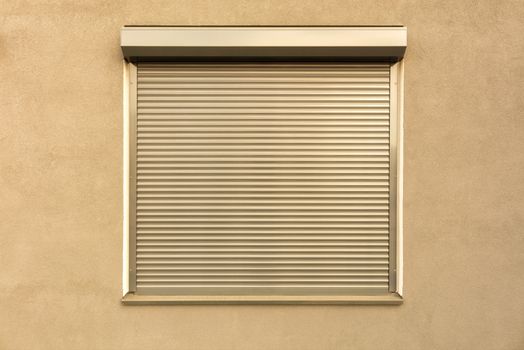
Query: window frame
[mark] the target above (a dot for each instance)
(395, 210)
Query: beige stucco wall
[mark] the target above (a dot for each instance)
(61, 182)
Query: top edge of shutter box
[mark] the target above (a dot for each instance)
(342, 43)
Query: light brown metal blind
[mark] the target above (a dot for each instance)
(264, 179)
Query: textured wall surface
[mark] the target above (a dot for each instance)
(61, 186)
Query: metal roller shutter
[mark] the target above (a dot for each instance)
(265, 179)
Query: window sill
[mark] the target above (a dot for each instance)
(387, 299)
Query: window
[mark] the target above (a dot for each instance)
(263, 172)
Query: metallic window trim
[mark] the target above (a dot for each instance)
(387, 299)
(132, 175)
(396, 163)
(399, 183)
(393, 141)
(396, 176)
(125, 180)
(377, 42)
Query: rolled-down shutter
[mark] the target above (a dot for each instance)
(265, 179)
